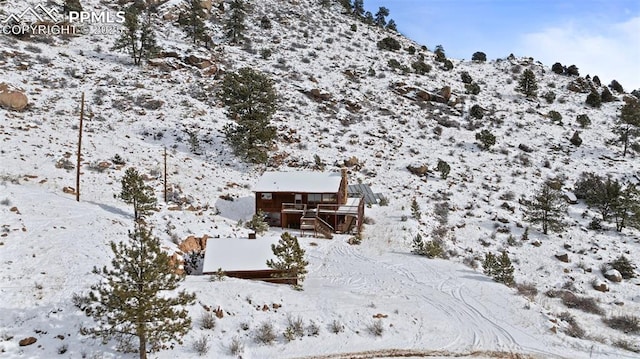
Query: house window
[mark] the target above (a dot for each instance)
(329, 197)
(314, 197)
(266, 196)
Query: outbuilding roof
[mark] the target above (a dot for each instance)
(304, 182)
(238, 254)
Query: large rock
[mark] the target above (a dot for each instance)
(12, 98)
(27, 341)
(563, 257)
(613, 275)
(600, 286)
(194, 244)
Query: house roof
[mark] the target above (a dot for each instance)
(238, 254)
(305, 182)
(361, 189)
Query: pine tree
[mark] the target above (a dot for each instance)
(418, 246)
(358, 8)
(490, 265)
(381, 16)
(504, 272)
(440, 54)
(138, 194)
(192, 20)
(628, 124)
(444, 169)
(392, 26)
(138, 37)
(625, 209)
(235, 26)
(527, 84)
(547, 207)
(415, 209)
(346, 4)
(290, 258)
(251, 101)
(486, 138)
(593, 99)
(132, 299)
(257, 222)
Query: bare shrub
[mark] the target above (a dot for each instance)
(207, 320)
(573, 329)
(236, 347)
(313, 330)
(265, 333)
(201, 345)
(296, 325)
(336, 327)
(376, 328)
(629, 324)
(528, 290)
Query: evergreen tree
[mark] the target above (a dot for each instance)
(391, 25)
(418, 245)
(504, 272)
(593, 99)
(251, 101)
(490, 265)
(358, 8)
(132, 299)
(138, 36)
(615, 85)
(192, 20)
(527, 84)
(444, 169)
(368, 18)
(547, 207)
(346, 4)
(440, 55)
(557, 68)
(415, 209)
(257, 222)
(136, 193)
(71, 5)
(486, 138)
(572, 71)
(626, 208)
(290, 258)
(381, 16)
(628, 124)
(479, 56)
(235, 26)
(606, 95)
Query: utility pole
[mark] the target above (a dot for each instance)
(165, 175)
(79, 150)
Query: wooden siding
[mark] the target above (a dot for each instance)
(265, 275)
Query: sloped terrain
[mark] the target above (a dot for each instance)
(340, 103)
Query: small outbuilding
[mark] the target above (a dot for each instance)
(243, 258)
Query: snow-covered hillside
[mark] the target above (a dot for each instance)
(339, 103)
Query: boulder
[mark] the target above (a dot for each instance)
(193, 244)
(418, 170)
(613, 275)
(563, 257)
(27, 341)
(600, 286)
(12, 98)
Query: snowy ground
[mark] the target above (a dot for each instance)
(49, 243)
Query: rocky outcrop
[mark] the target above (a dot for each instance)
(420, 171)
(12, 98)
(27, 341)
(193, 244)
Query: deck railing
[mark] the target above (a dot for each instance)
(294, 207)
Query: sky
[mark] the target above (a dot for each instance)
(600, 37)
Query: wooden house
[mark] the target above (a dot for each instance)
(316, 201)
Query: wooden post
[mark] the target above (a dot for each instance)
(165, 175)
(79, 150)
